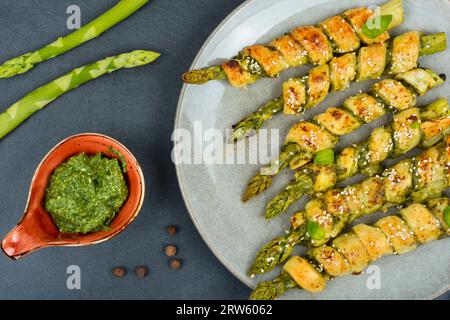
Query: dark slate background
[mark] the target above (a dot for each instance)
(137, 107)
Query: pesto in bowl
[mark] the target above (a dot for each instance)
(85, 193)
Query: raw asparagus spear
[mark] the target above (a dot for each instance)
(311, 137)
(302, 93)
(418, 179)
(41, 97)
(352, 252)
(95, 28)
(411, 128)
(308, 44)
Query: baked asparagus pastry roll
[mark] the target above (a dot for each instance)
(410, 128)
(353, 251)
(308, 44)
(417, 179)
(371, 62)
(307, 138)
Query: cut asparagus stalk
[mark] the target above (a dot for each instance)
(41, 97)
(416, 179)
(409, 129)
(415, 225)
(338, 34)
(369, 63)
(95, 28)
(324, 132)
(432, 43)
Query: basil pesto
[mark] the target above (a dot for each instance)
(85, 193)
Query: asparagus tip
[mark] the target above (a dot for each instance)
(15, 66)
(272, 289)
(274, 208)
(193, 77)
(436, 109)
(138, 58)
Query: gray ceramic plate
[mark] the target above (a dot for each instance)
(212, 192)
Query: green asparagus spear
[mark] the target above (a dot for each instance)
(271, 290)
(256, 185)
(41, 97)
(430, 44)
(254, 121)
(204, 75)
(294, 191)
(278, 250)
(405, 183)
(95, 28)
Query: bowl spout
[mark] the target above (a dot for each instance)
(34, 231)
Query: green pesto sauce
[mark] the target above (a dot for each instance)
(85, 193)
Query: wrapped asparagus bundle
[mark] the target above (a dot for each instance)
(411, 128)
(299, 94)
(307, 138)
(309, 44)
(352, 252)
(418, 179)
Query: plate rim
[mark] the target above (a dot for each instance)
(176, 125)
(211, 247)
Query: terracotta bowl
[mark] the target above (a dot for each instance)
(36, 229)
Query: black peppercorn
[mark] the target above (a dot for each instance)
(175, 264)
(170, 250)
(141, 271)
(119, 272)
(172, 230)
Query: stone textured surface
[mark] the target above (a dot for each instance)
(137, 107)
